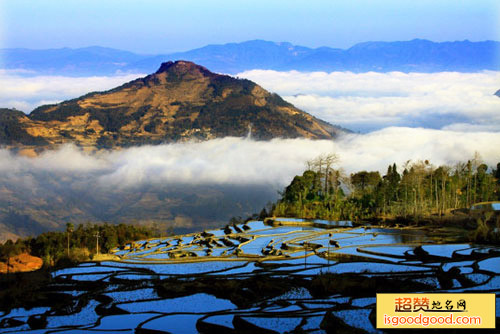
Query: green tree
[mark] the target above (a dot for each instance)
(496, 176)
(365, 182)
(69, 229)
(8, 251)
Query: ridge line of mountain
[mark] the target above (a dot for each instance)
(417, 55)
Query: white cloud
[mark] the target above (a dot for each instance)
(370, 101)
(238, 161)
(27, 93)
(466, 127)
(378, 149)
(240, 175)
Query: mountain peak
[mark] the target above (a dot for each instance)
(180, 67)
(181, 101)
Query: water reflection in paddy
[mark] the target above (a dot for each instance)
(259, 275)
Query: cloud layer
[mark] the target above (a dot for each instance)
(203, 184)
(238, 161)
(371, 101)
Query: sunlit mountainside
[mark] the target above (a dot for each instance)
(181, 101)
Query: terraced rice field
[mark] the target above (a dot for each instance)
(274, 277)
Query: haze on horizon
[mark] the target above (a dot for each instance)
(158, 26)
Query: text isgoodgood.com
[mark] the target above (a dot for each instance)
(424, 320)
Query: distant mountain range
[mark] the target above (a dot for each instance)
(180, 101)
(409, 56)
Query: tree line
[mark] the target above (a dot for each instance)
(414, 190)
(77, 244)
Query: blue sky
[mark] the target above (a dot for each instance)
(155, 26)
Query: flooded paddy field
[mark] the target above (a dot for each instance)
(278, 276)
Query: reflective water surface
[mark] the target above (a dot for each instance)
(286, 275)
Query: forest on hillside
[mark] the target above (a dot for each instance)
(416, 190)
(81, 243)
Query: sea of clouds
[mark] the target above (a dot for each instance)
(442, 117)
(371, 101)
(240, 161)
